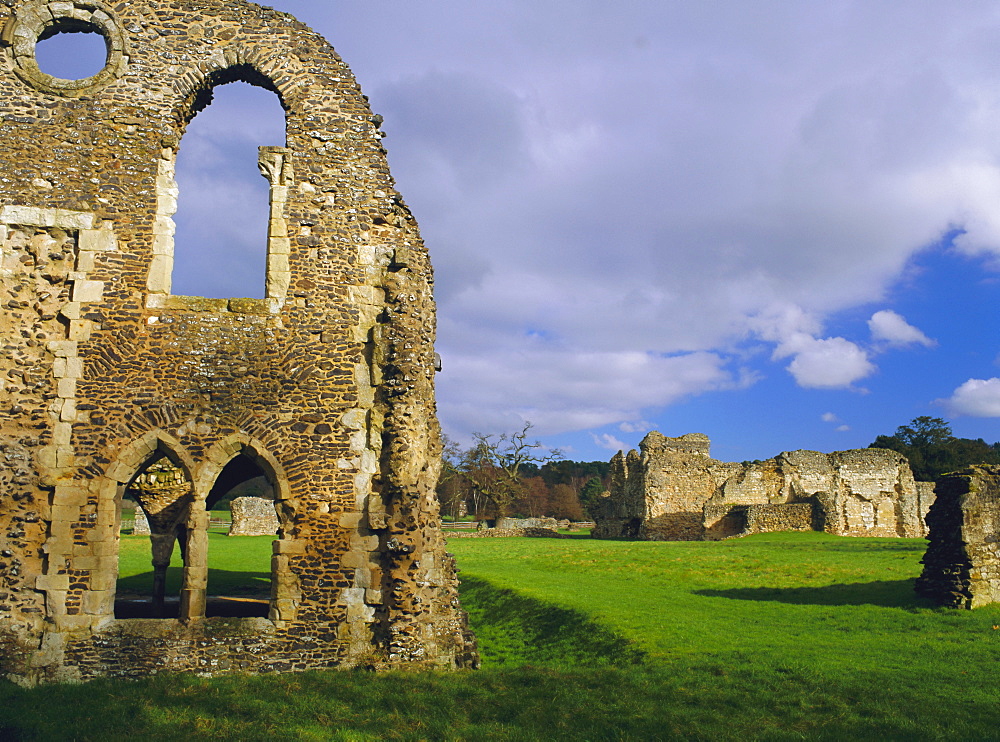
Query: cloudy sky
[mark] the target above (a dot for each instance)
(773, 222)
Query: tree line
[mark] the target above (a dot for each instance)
(932, 450)
(509, 474)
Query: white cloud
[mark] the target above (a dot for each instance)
(892, 329)
(641, 426)
(596, 259)
(565, 390)
(605, 440)
(976, 398)
(831, 363)
(843, 428)
(817, 363)
(829, 417)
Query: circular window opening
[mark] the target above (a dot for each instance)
(71, 52)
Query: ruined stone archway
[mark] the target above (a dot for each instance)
(165, 510)
(282, 601)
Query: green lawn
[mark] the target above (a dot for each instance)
(782, 636)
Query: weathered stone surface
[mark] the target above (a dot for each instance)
(253, 516)
(962, 562)
(325, 387)
(659, 495)
(676, 491)
(507, 523)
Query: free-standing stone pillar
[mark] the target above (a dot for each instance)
(962, 562)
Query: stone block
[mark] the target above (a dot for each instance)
(350, 520)
(88, 291)
(80, 329)
(163, 244)
(160, 270)
(71, 310)
(99, 602)
(62, 433)
(62, 348)
(97, 240)
(52, 583)
(289, 546)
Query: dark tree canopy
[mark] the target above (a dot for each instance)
(932, 450)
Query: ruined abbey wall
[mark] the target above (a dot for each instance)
(253, 516)
(325, 387)
(677, 492)
(659, 494)
(962, 562)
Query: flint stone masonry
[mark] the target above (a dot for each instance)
(108, 380)
(253, 516)
(962, 562)
(675, 491)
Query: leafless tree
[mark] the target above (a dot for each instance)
(494, 462)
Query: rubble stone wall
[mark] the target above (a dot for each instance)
(676, 491)
(326, 385)
(253, 516)
(962, 562)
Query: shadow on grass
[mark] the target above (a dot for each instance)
(512, 629)
(884, 593)
(220, 582)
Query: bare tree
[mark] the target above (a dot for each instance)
(452, 485)
(494, 462)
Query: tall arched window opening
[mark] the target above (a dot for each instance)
(163, 494)
(239, 558)
(223, 203)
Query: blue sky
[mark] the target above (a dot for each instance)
(776, 223)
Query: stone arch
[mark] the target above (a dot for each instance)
(284, 594)
(224, 451)
(222, 69)
(133, 459)
(232, 65)
(137, 452)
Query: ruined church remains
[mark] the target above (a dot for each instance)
(674, 490)
(110, 382)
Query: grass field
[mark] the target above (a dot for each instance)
(783, 636)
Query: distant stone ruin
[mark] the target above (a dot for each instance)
(110, 381)
(962, 562)
(673, 490)
(253, 516)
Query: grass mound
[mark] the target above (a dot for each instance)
(776, 637)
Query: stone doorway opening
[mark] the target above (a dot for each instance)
(163, 494)
(245, 489)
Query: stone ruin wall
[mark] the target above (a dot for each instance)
(326, 385)
(678, 492)
(962, 562)
(658, 495)
(253, 516)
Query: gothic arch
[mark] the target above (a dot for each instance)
(136, 453)
(220, 454)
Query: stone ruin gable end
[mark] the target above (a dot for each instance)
(327, 384)
(962, 563)
(659, 494)
(678, 476)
